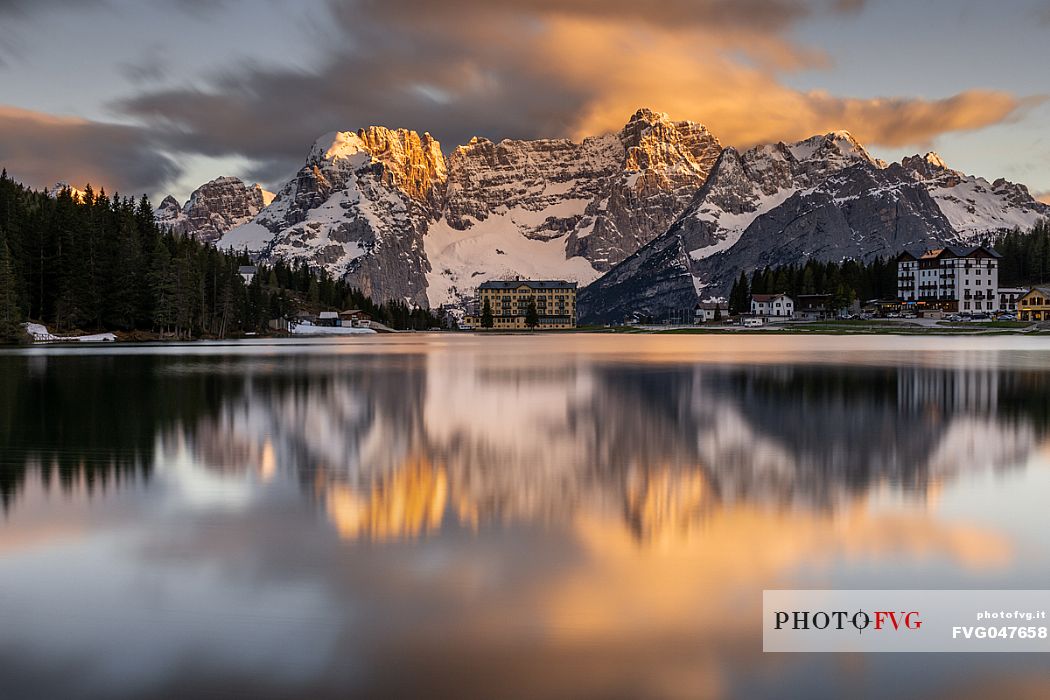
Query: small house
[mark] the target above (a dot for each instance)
(247, 273)
(328, 318)
(707, 311)
(813, 307)
(354, 318)
(772, 306)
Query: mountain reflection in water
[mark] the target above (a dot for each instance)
(395, 449)
(579, 517)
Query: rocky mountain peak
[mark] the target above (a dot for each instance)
(412, 162)
(57, 189)
(928, 167)
(653, 141)
(836, 149)
(934, 160)
(213, 208)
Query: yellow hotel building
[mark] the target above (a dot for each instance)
(1035, 305)
(509, 300)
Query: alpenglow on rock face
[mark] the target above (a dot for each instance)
(823, 198)
(213, 208)
(359, 208)
(646, 219)
(389, 212)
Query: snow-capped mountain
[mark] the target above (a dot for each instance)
(650, 217)
(972, 204)
(824, 197)
(57, 189)
(389, 212)
(213, 208)
(359, 207)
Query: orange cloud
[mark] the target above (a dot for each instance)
(41, 149)
(700, 75)
(548, 68)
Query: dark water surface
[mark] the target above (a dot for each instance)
(563, 516)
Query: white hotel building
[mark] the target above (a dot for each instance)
(951, 279)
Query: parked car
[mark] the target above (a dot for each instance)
(1007, 317)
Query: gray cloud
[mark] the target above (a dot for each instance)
(540, 68)
(13, 14)
(41, 149)
(151, 66)
(765, 14)
(518, 69)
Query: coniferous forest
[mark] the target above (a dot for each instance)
(90, 262)
(1026, 256)
(845, 282)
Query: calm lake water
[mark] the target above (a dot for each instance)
(568, 516)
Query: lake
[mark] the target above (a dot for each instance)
(567, 515)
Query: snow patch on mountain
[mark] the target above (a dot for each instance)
(251, 237)
(973, 205)
(495, 249)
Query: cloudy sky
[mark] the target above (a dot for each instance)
(159, 96)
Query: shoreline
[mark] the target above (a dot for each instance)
(892, 327)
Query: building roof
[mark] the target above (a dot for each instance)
(1042, 290)
(328, 314)
(952, 252)
(768, 297)
(811, 301)
(710, 305)
(532, 284)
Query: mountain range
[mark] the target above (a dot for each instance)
(652, 217)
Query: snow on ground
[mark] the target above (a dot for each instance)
(495, 249)
(251, 235)
(306, 329)
(40, 334)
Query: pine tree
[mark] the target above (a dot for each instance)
(532, 317)
(741, 302)
(486, 315)
(162, 288)
(10, 316)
